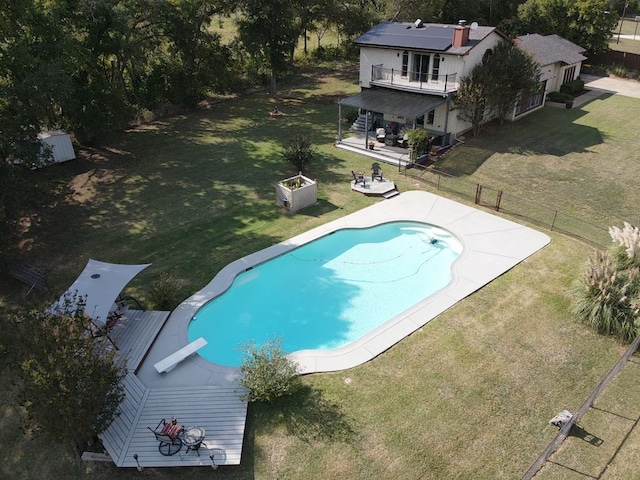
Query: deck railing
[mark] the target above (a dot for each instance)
(408, 80)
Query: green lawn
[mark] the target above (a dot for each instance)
(629, 27)
(582, 162)
(467, 396)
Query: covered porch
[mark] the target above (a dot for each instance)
(402, 111)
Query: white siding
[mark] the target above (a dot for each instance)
(461, 65)
(60, 144)
(375, 56)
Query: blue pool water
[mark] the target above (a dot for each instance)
(329, 292)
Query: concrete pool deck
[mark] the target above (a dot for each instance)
(491, 246)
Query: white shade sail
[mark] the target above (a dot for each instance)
(99, 284)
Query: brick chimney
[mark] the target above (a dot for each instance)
(460, 34)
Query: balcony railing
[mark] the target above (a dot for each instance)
(413, 80)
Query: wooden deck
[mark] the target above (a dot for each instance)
(134, 334)
(218, 409)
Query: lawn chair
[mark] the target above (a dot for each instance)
(376, 171)
(358, 178)
(168, 434)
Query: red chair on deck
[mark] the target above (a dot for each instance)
(168, 434)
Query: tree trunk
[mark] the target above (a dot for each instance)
(272, 84)
(305, 39)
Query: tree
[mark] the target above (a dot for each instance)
(411, 10)
(71, 388)
(89, 66)
(587, 23)
(299, 151)
(494, 86)
(496, 11)
(195, 61)
(267, 29)
(354, 17)
(513, 73)
(471, 101)
(30, 75)
(267, 373)
(20, 190)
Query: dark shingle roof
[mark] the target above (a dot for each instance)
(402, 104)
(432, 37)
(551, 49)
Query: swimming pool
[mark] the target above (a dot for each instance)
(328, 293)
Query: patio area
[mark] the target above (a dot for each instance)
(392, 155)
(212, 405)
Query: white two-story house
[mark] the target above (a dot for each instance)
(410, 72)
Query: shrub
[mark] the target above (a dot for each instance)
(618, 71)
(299, 151)
(165, 292)
(559, 97)
(267, 373)
(572, 87)
(627, 238)
(350, 115)
(608, 296)
(418, 141)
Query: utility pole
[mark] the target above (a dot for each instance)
(624, 12)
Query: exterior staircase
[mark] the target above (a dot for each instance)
(359, 125)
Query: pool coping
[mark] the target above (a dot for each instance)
(492, 245)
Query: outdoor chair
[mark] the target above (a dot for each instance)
(376, 171)
(359, 178)
(381, 134)
(118, 310)
(168, 434)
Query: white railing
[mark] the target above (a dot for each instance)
(407, 80)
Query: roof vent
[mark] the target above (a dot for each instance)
(418, 23)
(462, 23)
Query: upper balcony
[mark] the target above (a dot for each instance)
(413, 81)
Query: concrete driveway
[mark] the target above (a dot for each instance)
(620, 86)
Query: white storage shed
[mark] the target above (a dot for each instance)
(60, 144)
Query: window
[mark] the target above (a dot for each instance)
(435, 70)
(431, 116)
(420, 67)
(569, 73)
(532, 101)
(405, 63)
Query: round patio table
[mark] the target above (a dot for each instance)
(192, 438)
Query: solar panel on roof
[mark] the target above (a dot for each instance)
(430, 37)
(439, 31)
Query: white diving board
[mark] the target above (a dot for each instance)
(175, 358)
